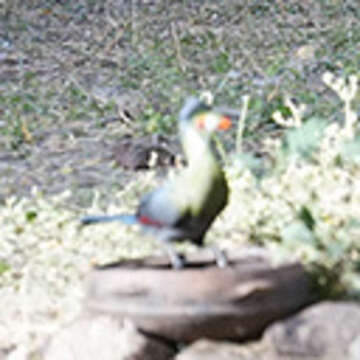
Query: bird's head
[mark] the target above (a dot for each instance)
(202, 117)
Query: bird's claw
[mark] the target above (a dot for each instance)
(220, 257)
(177, 261)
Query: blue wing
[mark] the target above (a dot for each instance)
(158, 207)
(127, 219)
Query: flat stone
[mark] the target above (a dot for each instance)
(144, 152)
(202, 300)
(325, 331)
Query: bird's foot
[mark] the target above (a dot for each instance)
(220, 257)
(177, 261)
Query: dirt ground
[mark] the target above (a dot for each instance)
(66, 68)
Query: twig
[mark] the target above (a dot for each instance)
(177, 47)
(220, 148)
(241, 125)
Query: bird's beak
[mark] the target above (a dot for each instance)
(224, 123)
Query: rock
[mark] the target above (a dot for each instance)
(2, 355)
(101, 337)
(202, 300)
(144, 152)
(354, 349)
(326, 331)
(219, 350)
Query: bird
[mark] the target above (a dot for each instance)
(185, 207)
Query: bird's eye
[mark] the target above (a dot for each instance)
(211, 122)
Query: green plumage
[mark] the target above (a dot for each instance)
(200, 193)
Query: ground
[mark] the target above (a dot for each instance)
(67, 68)
(78, 76)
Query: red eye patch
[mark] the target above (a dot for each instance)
(200, 121)
(223, 124)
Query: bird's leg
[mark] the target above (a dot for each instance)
(220, 257)
(176, 261)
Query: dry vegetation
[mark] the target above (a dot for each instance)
(67, 67)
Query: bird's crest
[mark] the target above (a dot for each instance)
(191, 107)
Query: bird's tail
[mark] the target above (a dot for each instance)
(127, 219)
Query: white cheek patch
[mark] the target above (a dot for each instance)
(211, 122)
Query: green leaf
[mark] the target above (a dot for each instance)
(351, 151)
(254, 164)
(297, 232)
(3, 267)
(336, 250)
(304, 140)
(30, 215)
(221, 63)
(306, 217)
